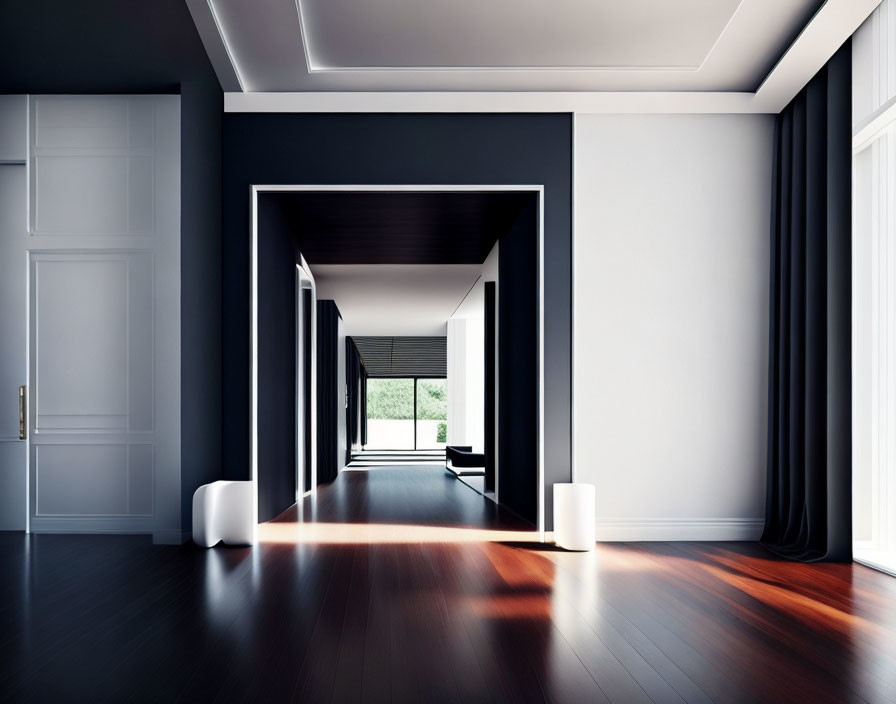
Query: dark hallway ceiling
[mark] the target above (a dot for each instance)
(393, 227)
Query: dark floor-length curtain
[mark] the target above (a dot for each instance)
(808, 502)
(328, 406)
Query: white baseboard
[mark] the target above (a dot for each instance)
(673, 529)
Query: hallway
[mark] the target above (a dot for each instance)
(411, 587)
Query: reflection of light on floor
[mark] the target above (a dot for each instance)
(383, 533)
(809, 610)
(369, 466)
(575, 586)
(512, 606)
(747, 576)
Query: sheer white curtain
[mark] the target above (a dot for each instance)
(874, 289)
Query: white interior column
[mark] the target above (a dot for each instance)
(457, 382)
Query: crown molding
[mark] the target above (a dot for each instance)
(533, 102)
(218, 51)
(834, 23)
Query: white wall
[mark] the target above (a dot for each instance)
(466, 362)
(671, 312)
(457, 381)
(466, 379)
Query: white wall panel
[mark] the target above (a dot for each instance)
(671, 315)
(93, 165)
(81, 480)
(141, 295)
(13, 296)
(13, 308)
(81, 341)
(89, 194)
(79, 122)
(13, 478)
(141, 477)
(13, 131)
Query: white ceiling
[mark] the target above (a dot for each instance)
(395, 299)
(384, 34)
(557, 56)
(595, 45)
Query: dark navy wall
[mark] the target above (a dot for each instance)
(330, 446)
(116, 46)
(277, 259)
(397, 149)
(518, 366)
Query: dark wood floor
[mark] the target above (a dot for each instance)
(402, 592)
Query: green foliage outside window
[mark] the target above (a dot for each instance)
(432, 399)
(393, 399)
(390, 399)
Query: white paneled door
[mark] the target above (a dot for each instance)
(100, 254)
(13, 307)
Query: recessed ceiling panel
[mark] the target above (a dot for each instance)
(512, 34)
(507, 45)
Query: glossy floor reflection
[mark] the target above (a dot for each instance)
(412, 588)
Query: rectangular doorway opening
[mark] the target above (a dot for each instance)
(384, 262)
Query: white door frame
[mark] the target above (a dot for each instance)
(305, 281)
(255, 190)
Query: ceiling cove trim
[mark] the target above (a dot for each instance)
(480, 101)
(833, 23)
(230, 55)
(303, 35)
(596, 68)
(218, 53)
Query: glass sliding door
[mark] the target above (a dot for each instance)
(390, 414)
(406, 414)
(432, 414)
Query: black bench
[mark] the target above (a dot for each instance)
(461, 461)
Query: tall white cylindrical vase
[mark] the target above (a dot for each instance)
(574, 512)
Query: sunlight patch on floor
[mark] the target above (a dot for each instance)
(384, 533)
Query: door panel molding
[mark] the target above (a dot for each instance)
(103, 263)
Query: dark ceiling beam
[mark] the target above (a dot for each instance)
(395, 227)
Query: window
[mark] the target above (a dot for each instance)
(390, 414)
(432, 413)
(874, 292)
(406, 414)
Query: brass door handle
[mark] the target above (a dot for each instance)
(22, 413)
